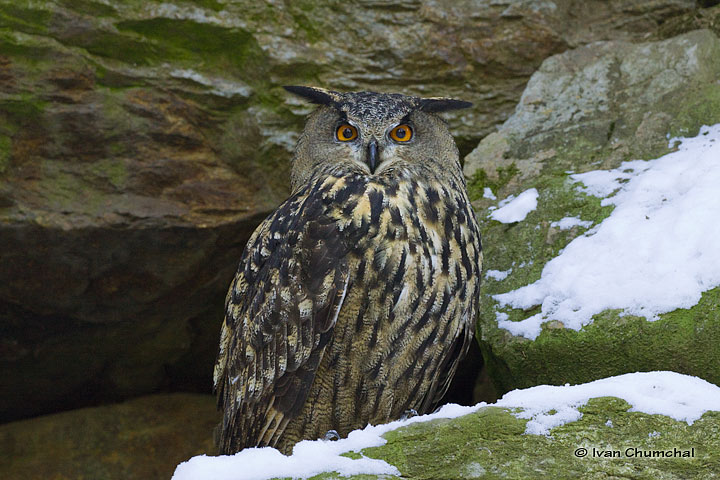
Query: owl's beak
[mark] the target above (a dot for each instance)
(372, 155)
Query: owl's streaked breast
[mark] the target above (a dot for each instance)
(415, 266)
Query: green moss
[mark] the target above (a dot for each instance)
(25, 49)
(67, 190)
(24, 18)
(115, 110)
(353, 455)
(491, 444)
(306, 25)
(18, 111)
(113, 170)
(701, 107)
(533, 242)
(125, 47)
(5, 149)
(335, 476)
(683, 341)
(89, 7)
(193, 44)
(480, 180)
(439, 448)
(613, 344)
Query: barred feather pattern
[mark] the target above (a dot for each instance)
(353, 303)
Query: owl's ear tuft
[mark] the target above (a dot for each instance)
(438, 105)
(318, 96)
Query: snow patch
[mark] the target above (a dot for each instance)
(498, 274)
(569, 222)
(309, 458)
(515, 209)
(657, 251)
(681, 397)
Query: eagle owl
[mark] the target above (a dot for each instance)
(355, 300)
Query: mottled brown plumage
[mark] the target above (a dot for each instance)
(355, 300)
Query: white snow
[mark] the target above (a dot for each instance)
(309, 457)
(568, 222)
(498, 274)
(657, 251)
(515, 209)
(681, 397)
(488, 193)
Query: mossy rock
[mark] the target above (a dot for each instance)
(491, 444)
(590, 109)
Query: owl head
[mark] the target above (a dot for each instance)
(376, 134)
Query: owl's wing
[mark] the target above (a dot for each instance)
(280, 314)
(461, 343)
(446, 372)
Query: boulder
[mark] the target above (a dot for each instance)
(141, 142)
(492, 443)
(590, 108)
(141, 439)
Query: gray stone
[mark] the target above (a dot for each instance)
(609, 100)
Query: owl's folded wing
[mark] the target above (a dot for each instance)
(280, 314)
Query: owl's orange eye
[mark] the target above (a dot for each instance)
(346, 132)
(401, 133)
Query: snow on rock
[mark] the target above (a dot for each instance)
(657, 251)
(568, 222)
(309, 458)
(681, 397)
(515, 209)
(498, 275)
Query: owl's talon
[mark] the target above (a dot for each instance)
(331, 435)
(409, 414)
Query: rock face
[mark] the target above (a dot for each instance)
(141, 439)
(587, 109)
(141, 142)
